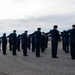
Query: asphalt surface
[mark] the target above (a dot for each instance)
(32, 65)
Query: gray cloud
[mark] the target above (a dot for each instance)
(46, 23)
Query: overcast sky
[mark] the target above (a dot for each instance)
(30, 14)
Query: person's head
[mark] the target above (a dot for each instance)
(73, 26)
(19, 35)
(26, 32)
(43, 33)
(14, 31)
(4, 34)
(55, 26)
(64, 30)
(39, 29)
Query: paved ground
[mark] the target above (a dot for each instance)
(31, 65)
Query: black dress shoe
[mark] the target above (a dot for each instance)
(42, 51)
(26, 55)
(14, 54)
(38, 56)
(73, 58)
(33, 51)
(4, 54)
(66, 52)
(55, 57)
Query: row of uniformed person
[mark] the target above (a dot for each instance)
(68, 38)
(39, 41)
(68, 41)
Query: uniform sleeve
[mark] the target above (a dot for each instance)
(48, 32)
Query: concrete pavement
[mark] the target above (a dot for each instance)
(32, 65)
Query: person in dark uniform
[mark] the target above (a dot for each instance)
(18, 42)
(14, 41)
(4, 43)
(46, 42)
(66, 42)
(38, 41)
(21, 42)
(55, 37)
(63, 39)
(24, 42)
(33, 43)
(43, 40)
(10, 43)
(29, 42)
(72, 41)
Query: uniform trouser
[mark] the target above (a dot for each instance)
(10, 46)
(63, 45)
(4, 48)
(72, 50)
(66, 47)
(29, 45)
(46, 44)
(24, 49)
(18, 46)
(54, 48)
(37, 49)
(42, 47)
(14, 48)
(33, 46)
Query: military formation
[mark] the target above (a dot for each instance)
(38, 41)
